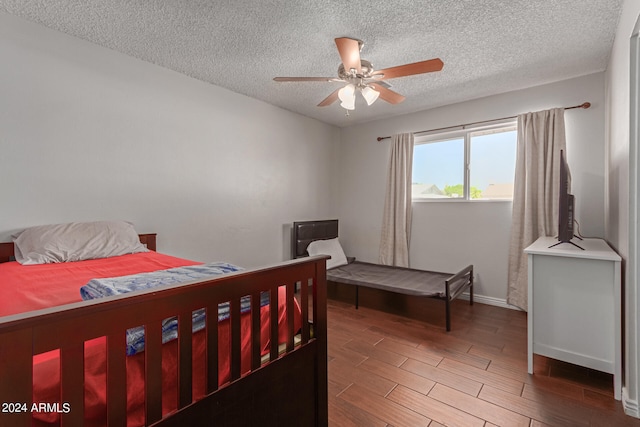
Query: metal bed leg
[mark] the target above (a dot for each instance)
(448, 314)
(356, 297)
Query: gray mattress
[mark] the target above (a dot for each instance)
(395, 279)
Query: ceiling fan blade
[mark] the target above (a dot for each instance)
(387, 94)
(303, 79)
(330, 99)
(421, 67)
(349, 50)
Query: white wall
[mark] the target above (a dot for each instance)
(449, 235)
(619, 174)
(87, 133)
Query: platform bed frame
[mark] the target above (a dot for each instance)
(453, 284)
(290, 387)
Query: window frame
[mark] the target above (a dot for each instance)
(465, 133)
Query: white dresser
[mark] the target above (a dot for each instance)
(575, 305)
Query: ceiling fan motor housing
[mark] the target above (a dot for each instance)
(367, 71)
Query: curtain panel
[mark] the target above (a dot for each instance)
(541, 136)
(396, 221)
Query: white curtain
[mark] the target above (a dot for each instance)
(541, 136)
(396, 221)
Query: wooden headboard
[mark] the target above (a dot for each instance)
(305, 232)
(149, 240)
(7, 249)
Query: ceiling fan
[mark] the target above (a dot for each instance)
(360, 76)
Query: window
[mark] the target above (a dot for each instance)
(470, 164)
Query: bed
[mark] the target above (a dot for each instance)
(406, 281)
(68, 363)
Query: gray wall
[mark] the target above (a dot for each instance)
(87, 133)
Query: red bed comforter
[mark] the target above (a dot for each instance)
(33, 287)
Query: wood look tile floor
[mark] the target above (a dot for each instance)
(389, 370)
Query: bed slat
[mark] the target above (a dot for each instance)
(235, 339)
(72, 383)
(273, 323)
(185, 325)
(256, 348)
(116, 380)
(304, 307)
(290, 319)
(153, 371)
(211, 366)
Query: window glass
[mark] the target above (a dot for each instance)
(470, 164)
(492, 164)
(438, 170)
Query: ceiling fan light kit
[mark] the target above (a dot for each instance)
(370, 95)
(348, 97)
(359, 75)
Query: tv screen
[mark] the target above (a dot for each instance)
(565, 205)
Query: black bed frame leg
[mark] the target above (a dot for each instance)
(448, 314)
(356, 297)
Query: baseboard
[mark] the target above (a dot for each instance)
(631, 407)
(498, 302)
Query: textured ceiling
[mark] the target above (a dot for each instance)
(488, 46)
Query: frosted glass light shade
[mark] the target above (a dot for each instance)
(347, 92)
(349, 105)
(370, 95)
(348, 97)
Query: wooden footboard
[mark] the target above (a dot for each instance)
(291, 385)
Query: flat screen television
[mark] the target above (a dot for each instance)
(565, 204)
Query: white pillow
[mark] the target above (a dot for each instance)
(329, 247)
(76, 241)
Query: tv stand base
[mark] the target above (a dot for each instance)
(567, 241)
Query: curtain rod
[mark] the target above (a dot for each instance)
(584, 105)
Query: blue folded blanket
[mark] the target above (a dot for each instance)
(99, 288)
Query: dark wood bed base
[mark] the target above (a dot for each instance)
(305, 232)
(290, 385)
